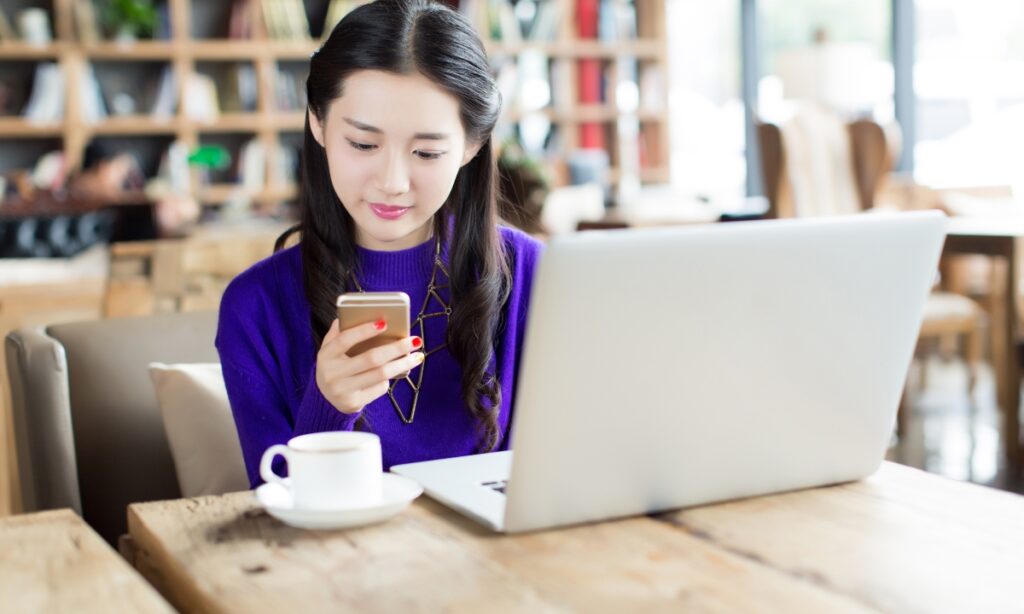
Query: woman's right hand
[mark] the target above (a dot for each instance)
(349, 383)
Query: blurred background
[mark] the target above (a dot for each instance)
(149, 151)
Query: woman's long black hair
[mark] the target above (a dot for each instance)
(405, 37)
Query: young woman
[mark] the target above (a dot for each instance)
(398, 194)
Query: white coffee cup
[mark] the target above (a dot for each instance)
(330, 470)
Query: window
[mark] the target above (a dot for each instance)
(705, 99)
(969, 59)
(837, 52)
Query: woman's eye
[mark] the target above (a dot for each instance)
(428, 155)
(361, 146)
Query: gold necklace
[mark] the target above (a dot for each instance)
(443, 310)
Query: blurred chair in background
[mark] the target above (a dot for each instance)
(816, 164)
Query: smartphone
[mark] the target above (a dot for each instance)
(355, 308)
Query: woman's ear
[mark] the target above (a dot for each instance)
(315, 126)
(471, 150)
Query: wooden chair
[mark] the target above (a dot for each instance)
(869, 157)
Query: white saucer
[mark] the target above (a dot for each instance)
(398, 493)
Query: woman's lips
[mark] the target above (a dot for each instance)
(388, 212)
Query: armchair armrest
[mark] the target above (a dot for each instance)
(41, 410)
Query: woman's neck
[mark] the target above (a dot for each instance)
(417, 237)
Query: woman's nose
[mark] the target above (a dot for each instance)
(393, 176)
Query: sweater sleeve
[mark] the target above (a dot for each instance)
(265, 411)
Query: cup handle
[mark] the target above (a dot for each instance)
(266, 464)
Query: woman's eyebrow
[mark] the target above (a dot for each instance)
(430, 136)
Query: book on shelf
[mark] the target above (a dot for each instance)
(46, 102)
(586, 18)
(166, 100)
(298, 24)
(162, 30)
(93, 108)
(507, 79)
(272, 19)
(589, 75)
(6, 101)
(252, 166)
(289, 91)
(240, 21)
(286, 168)
(237, 88)
(616, 20)
(652, 88)
(84, 13)
(563, 92)
(6, 31)
(545, 24)
(336, 11)
(248, 89)
(286, 20)
(502, 24)
(511, 32)
(201, 103)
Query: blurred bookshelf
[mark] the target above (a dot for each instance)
(578, 75)
(206, 74)
(231, 73)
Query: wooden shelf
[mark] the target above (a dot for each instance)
(286, 50)
(227, 49)
(129, 51)
(289, 121)
(218, 194)
(231, 49)
(585, 113)
(133, 124)
(230, 122)
(19, 127)
(644, 49)
(290, 192)
(16, 50)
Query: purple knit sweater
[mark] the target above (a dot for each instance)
(269, 360)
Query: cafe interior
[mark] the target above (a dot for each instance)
(149, 153)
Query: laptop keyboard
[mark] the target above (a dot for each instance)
(496, 485)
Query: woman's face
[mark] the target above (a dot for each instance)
(394, 145)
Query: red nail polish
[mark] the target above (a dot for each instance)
(416, 342)
(380, 324)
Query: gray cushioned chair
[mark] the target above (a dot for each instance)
(88, 430)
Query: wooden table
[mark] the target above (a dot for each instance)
(53, 562)
(901, 540)
(1000, 237)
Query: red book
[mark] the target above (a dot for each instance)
(592, 136)
(586, 18)
(590, 81)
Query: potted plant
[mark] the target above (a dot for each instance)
(130, 19)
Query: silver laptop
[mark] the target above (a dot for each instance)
(674, 367)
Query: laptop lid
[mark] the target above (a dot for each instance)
(671, 367)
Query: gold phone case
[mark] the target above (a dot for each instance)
(357, 308)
